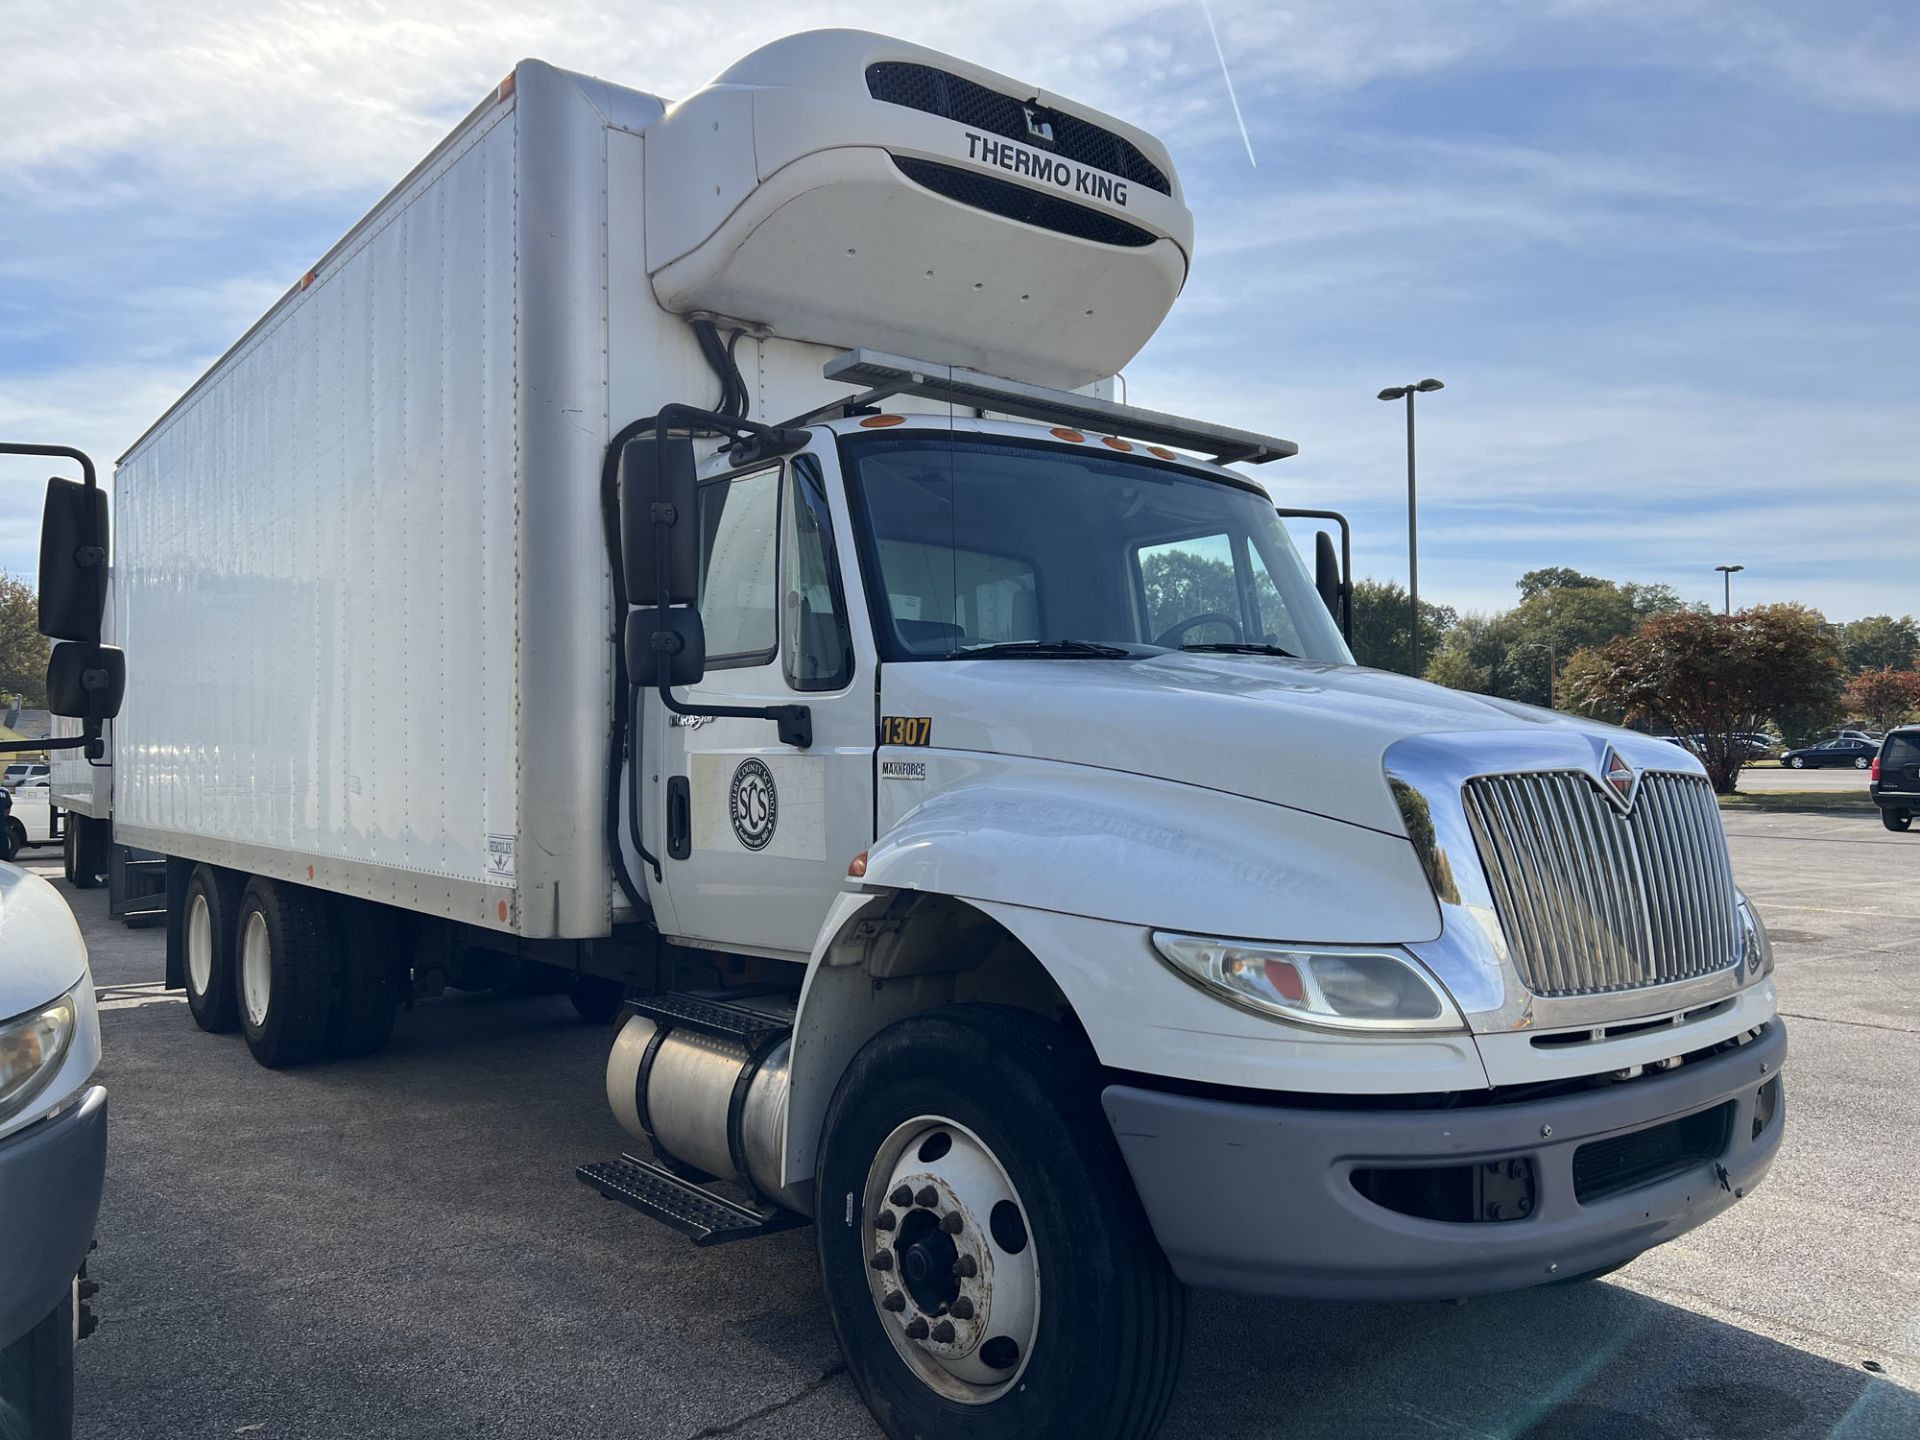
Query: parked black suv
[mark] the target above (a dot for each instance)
(1895, 782)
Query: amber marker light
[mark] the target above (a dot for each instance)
(1061, 432)
(857, 867)
(1115, 442)
(880, 422)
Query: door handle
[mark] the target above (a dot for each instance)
(679, 818)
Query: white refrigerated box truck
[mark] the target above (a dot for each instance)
(688, 547)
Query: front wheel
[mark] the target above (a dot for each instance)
(1797, 763)
(1896, 819)
(987, 1264)
(1860, 762)
(14, 840)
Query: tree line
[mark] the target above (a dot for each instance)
(1636, 654)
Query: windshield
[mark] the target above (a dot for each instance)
(981, 545)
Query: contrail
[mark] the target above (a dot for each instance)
(1232, 99)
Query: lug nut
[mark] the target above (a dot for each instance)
(901, 1196)
(966, 1267)
(885, 1220)
(917, 1328)
(882, 1260)
(928, 1196)
(962, 1307)
(943, 1332)
(895, 1301)
(952, 1223)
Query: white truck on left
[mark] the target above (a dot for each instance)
(53, 1115)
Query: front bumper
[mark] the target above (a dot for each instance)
(1261, 1198)
(50, 1180)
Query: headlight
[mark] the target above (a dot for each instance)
(1756, 950)
(31, 1049)
(1339, 989)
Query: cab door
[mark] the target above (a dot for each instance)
(755, 836)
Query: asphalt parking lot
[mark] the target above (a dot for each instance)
(397, 1246)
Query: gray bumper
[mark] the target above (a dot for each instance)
(50, 1179)
(1260, 1198)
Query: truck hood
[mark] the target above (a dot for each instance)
(1299, 733)
(41, 953)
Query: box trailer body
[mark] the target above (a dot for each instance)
(961, 776)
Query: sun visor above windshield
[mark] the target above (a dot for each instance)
(848, 189)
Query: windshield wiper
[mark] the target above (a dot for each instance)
(1044, 650)
(1240, 647)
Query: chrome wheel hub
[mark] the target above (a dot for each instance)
(950, 1263)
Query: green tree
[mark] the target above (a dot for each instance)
(1555, 577)
(1180, 585)
(1715, 676)
(1383, 625)
(1880, 642)
(1560, 612)
(23, 649)
(1471, 651)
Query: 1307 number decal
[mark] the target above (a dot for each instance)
(906, 730)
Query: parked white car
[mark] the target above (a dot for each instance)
(53, 1149)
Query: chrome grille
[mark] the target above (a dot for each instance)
(1592, 900)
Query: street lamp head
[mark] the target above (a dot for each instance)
(1730, 569)
(1395, 392)
(1429, 384)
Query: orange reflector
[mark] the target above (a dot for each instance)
(880, 422)
(1061, 432)
(1285, 979)
(1116, 442)
(1162, 451)
(502, 92)
(858, 867)
(503, 912)
(307, 279)
(309, 872)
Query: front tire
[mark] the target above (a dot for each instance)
(209, 927)
(1860, 762)
(1055, 1314)
(36, 1376)
(1896, 819)
(14, 841)
(1796, 763)
(284, 976)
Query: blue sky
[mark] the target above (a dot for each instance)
(1666, 256)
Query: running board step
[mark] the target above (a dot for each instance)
(699, 1214)
(720, 1018)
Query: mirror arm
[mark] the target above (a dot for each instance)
(795, 722)
(1346, 560)
(69, 742)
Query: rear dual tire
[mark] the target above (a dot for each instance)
(285, 972)
(1090, 1345)
(85, 851)
(209, 926)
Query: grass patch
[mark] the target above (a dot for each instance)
(1805, 802)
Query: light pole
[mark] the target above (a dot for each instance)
(1727, 572)
(1395, 392)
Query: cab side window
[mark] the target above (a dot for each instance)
(739, 568)
(815, 646)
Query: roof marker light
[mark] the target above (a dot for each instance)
(307, 279)
(1163, 452)
(1061, 432)
(880, 422)
(505, 88)
(1116, 442)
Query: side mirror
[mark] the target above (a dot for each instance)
(657, 497)
(73, 563)
(1326, 573)
(86, 680)
(665, 646)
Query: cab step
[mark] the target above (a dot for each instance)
(696, 1212)
(725, 1019)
